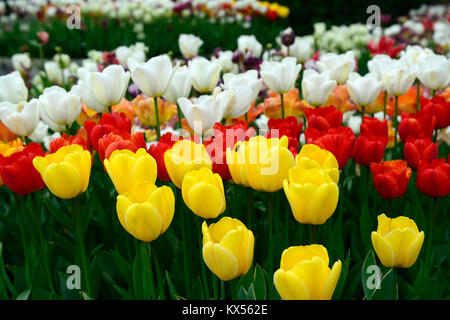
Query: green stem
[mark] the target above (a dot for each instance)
(385, 103)
(180, 116)
(430, 233)
(270, 217)
(222, 290)
(433, 93)
(147, 247)
(282, 105)
(313, 233)
(42, 243)
(198, 231)
(418, 95)
(246, 117)
(215, 287)
(301, 79)
(81, 245)
(28, 277)
(249, 207)
(162, 295)
(395, 121)
(184, 243)
(158, 130)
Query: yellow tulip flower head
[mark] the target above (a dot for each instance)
(312, 194)
(65, 172)
(203, 193)
(260, 163)
(304, 274)
(127, 168)
(228, 248)
(185, 156)
(146, 211)
(397, 241)
(312, 156)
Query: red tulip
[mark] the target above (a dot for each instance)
(416, 150)
(418, 125)
(111, 142)
(369, 148)
(374, 126)
(339, 141)
(439, 108)
(18, 172)
(288, 127)
(225, 137)
(116, 123)
(433, 178)
(66, 140)
(324, 118)
(157, 152)
(390, 178)
(385, 45)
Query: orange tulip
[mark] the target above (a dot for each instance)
(340, 100)
(144, 108)
(292, 105)
(124, 107)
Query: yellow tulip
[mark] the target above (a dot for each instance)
(304, 274)
(228, 248)
(147, 211)
(260, 163)
(126, 169)
(65, 172)
(397, 241)
(185, 156)
(312, 194)
(312, 156)
(203, 193)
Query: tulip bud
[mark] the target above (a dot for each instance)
(304, 274)
(203, 193)
(185, 156)
(288, 37)
(146, 211)
(65, 172)
(397, 242)
(127, 169)
(227, 248)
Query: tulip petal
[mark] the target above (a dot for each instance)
(63, 180)
(332, 280)
(143, 221)
(220, 261)
(289, 286)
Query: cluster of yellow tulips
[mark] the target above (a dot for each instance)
(310, 182)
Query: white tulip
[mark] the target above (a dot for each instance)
(250, 44)
(339, 65)
(235, 101)
(154, 76)
(55, 73)
(205, 74)
(248, 78)
(412, 54)
(49, 138)
(101, 90)
(302, 49)
(62, 59)
(137, 51)
(355, 124)
(61, 107)
(39, 133)
(317, 87)
(434, 71)
(12, 88)
(226, 61)
(189, 45)
(379, 64)
(21, 118)
(363, 90)
(398, 79)
(280, 76)
(180, 86)
(21, 62)
(201, 113)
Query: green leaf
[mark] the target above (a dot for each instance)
(259, 284)
(122, 292)
(242, 294)
(378, 286)
(342, 278)
(251, 293)
(172, 290)
(24, 295)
